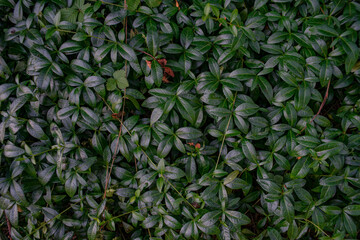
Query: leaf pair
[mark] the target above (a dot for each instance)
(119, 80)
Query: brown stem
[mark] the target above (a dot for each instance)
(108, 172)
(125, 5)
(322, 11)
(321, 106)
(252, 206)
(8, 226)
(148, 55)
(116, 148)
(135, 165)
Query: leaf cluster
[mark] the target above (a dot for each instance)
(169, 119)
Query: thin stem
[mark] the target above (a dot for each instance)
(8, 226)
(105, 103)
(321, 106)
(227, 126)
(49, 150)
(147, 156)
(108, 173)
(179, 193)
(116, 148)
(148, 55)
(44, 223)
(252, 206)
(319, 228)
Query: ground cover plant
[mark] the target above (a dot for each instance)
(170, 119)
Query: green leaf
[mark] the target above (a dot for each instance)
(89, 116)
(132, 4)
(186, 37)
(237, 218)
(269, 186)
(303, 195)
(188, 133)
(11, 151)
(69, 14)
(302, 39)
(352, 52)
(273, 234)
(207, 9)
(349, 224)
(121, 80)
(329, 149)
(287, 209)
(284, 94)
(308, 141)
(94, 81)
(353, 210)
(303, 97)
(165, 146)
(246, 109)
(234, 15)
(5, 90)
(266, 88)
(71, 47)
(325, 30)
(331, 210)
(46, 174)
(277, 37)
(156, 73)
(249, 151)
(282, 161)
(111, 84)
(301, 168)
(186, 110)
(92, 230)
(71, 185)
(172, 222)
(226, 56)
(153, 3)
(209, 219)
(259, 3)
(127, 52)
(326, 71)
(331, 181)
(81, 66)
(190, 169)
(152, 39)
(35, 130)
(231, 177)
(114, 18)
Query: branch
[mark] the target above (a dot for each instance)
(321, 106)
(148, 55)
(8, 226)
(108, 172)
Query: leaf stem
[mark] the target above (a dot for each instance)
(8, 226)
(227, 126)
(321, 106)
(44, 223)
(319, 228)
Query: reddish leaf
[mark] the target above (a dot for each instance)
(165, 80)
(169, 72)
(148, 63)
(117, 115)
(162, 62)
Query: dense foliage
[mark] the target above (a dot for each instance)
(217, 100)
